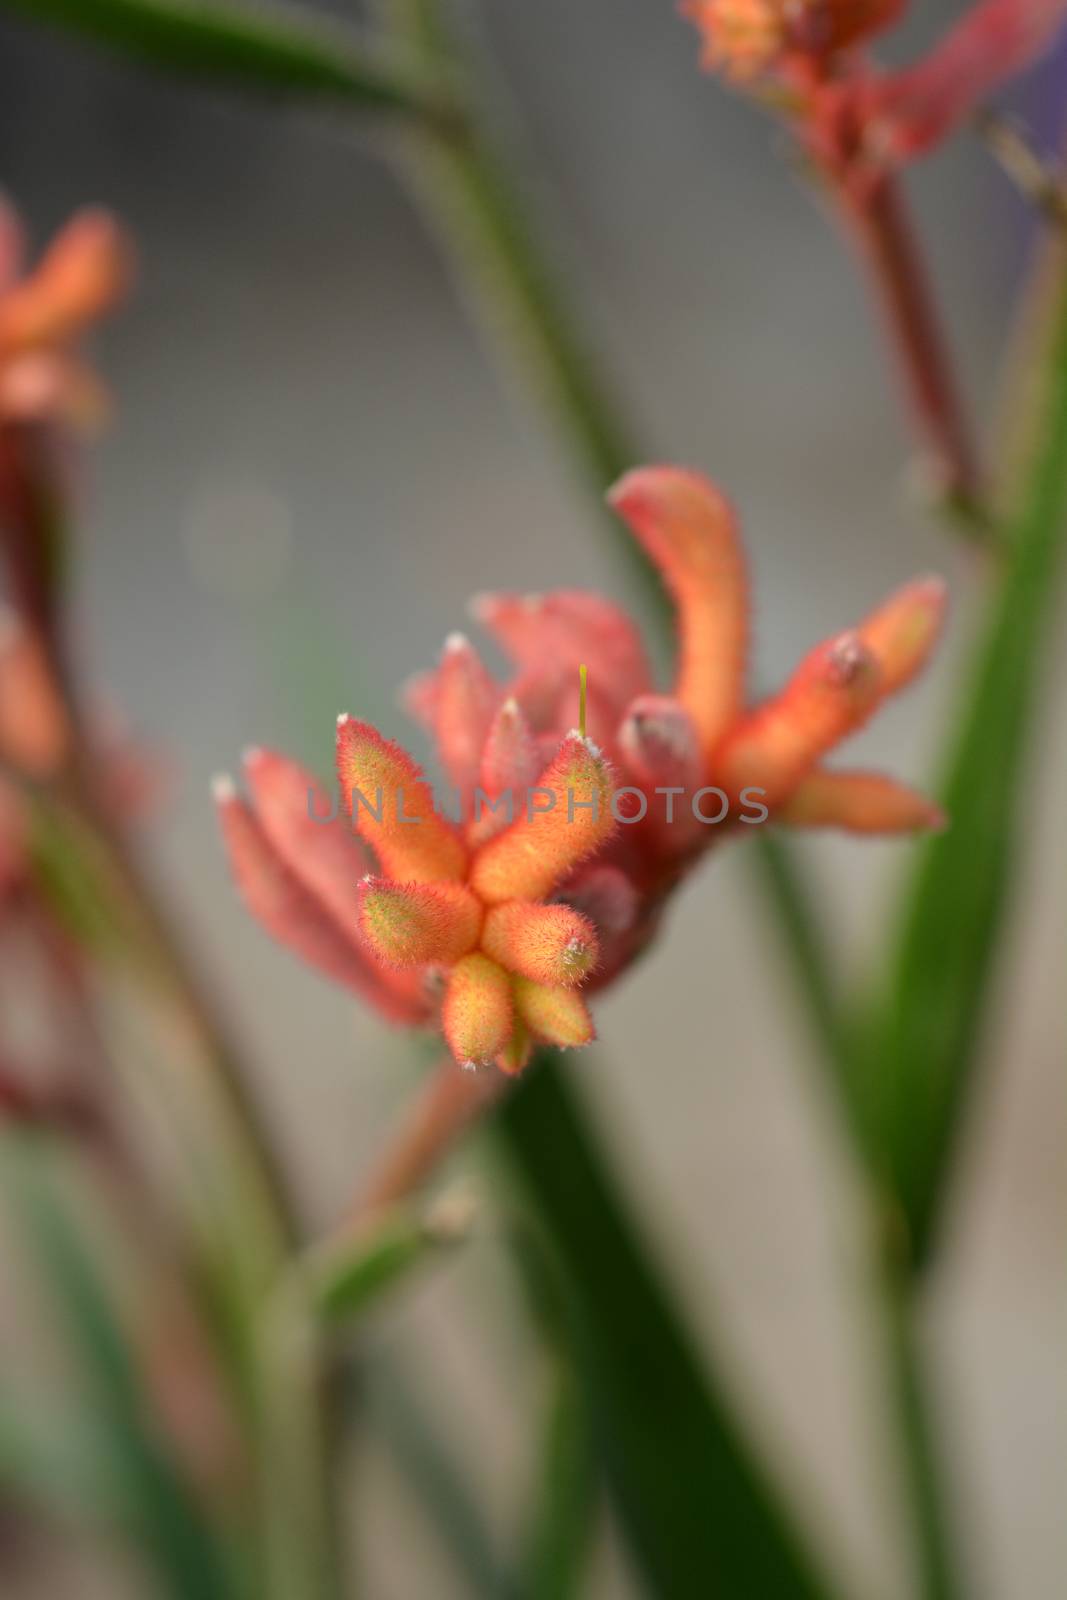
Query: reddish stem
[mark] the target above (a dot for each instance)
(431, 1125)
(879, 223)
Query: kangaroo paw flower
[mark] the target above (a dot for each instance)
(830, 695)
(690, 532)
(567, 817)
(551, 944)
(392, 807)
(478, 1012)
(902, 633)
(418, 924)
(559, 876)
(558, 1016)
(861, 802)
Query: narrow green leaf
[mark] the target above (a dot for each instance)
(558, 1537)
(168, 1520)
(58, 1461)
(701, 1515)
(346, 1277)
(925, 1044)
(423, 1451)
(272, 49)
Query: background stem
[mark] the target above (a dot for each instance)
(878, 221)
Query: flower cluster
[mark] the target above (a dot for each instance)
(489, 926)
(853, 118)
(44, 312)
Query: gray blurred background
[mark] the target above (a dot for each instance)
(311, 470)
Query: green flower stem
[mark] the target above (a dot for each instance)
(939, 1574)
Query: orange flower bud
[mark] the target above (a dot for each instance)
(463, 707)
(747, 38)
(861, 802)
(551, 944)
(478, 1012)
(391, 806)
(293, 915)
(690, 532)
(518, 1050)
(830, 695)
(294, 812)
(83, 273)
(902, 633)
(558, 1016)
(567, 816)
(412, 924)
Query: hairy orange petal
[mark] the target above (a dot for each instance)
(690, 532)
(541, 846)
(478, 1013)
(84, 271)
(463, 707)
(295, 813)
(295, 917)
(550, 944)
(558, 1016)
(410, 924)
(862, 802)
(902, 632)
(518, 1050)
(391, 806)
(831, 693)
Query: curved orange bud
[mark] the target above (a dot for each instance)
(292, 809)
(462, 710)
(831, 694)
(391, 806)
(539, 849)
(518, 1050)
(902, 632)
(478, 1012)
(558, 1016)
(551, 944)
(84, 271)
(861, 802)
(411, 924)
(690, 532)
(293, 916)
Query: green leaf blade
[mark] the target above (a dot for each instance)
(924, 1048)
(701, 1517)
